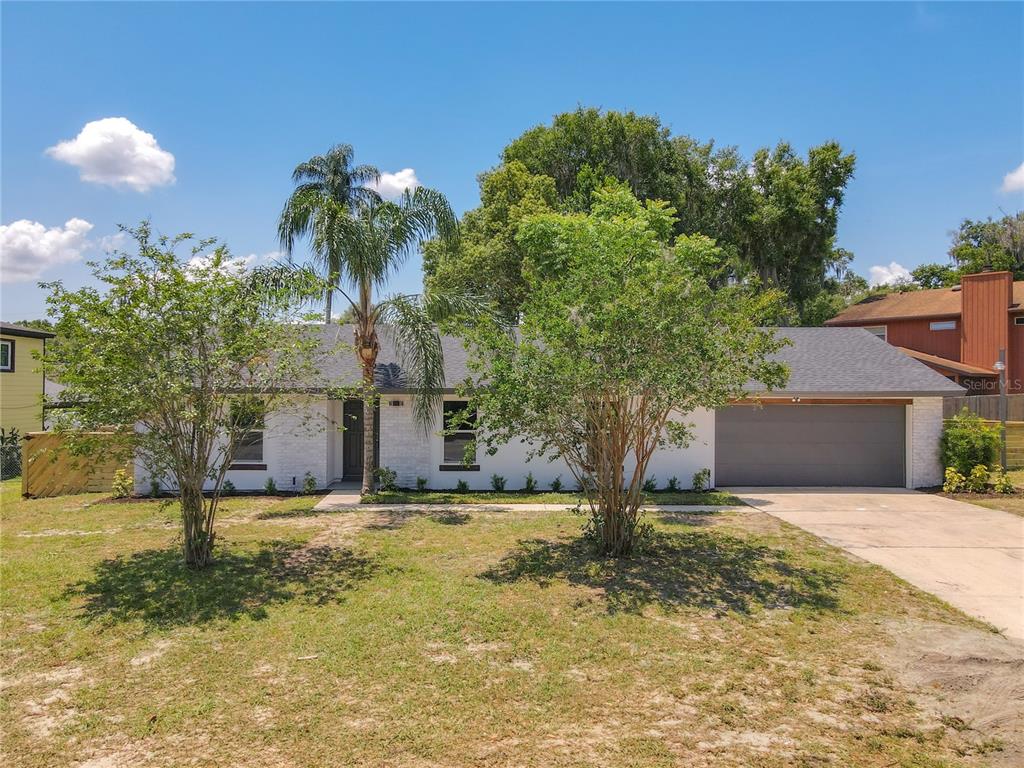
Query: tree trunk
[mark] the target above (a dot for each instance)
(369, 417)
(198, 537)
(328, 301)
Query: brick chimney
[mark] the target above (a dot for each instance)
(984, 318)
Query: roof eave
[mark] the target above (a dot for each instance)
(861, 395)
(27, 333)
(840, 322)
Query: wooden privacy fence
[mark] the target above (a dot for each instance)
(986, 406)
(49, 469)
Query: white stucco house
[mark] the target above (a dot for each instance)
(855, 412)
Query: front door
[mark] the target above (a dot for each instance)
(352, 440)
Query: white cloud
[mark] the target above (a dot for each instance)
(1014, 180)
(235, 264)
(391, 185)
(116, 152)
(28, 248)
(894, 273)
(114, 242)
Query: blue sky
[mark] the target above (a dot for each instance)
(929, 96)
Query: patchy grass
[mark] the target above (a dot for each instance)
(450, 638)
(706, 498)
(1006, 502)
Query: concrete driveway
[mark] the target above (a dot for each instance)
(969, 556)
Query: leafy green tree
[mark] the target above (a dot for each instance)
(39, 325)
(774, 216)
(978, 246)
(935, 275)
(580, 149)
(328, 189)
(790, 234)
(999, 245)
(372, 242)
(619, 331)
(183, 357)
(488, 259)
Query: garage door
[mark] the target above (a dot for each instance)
(810, 445)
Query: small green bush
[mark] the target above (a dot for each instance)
(701, 480)
(387, 479)
(977, 481)
(154, 488)
(421, 484)
(228, 489)
(953, 481)
(309, 483)
(556, 484)
(462, 487)
(967, 441)
(270, 487)
(498, 483)
(1003, 484)
(650, 484)
(673, 484)
(530, 484)
(122, 486)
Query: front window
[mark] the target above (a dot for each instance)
(459, 433)
(248, 423)
(6, 355)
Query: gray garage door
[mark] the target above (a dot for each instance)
(810, 445)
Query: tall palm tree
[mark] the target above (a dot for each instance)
(328, 189)
(374, 242)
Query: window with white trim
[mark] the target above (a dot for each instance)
(6, 355)
(459, 433)
(1018, 320)
(878, 330)
(942, 325)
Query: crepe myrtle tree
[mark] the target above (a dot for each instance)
(620, 329)
(183, 357)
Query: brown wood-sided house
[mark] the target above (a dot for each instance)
(958, 331)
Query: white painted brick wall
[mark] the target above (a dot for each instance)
(926, 429)
(404, 447)
(294, 443)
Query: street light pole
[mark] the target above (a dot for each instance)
(1000, 366)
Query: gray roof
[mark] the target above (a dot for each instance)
(338, 361)
(850, 362)
(823, 362)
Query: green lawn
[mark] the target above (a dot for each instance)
(447, 638)
(707, 498)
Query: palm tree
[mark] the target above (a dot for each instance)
(374, 241)
(328, 189)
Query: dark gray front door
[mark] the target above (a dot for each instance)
(828, 445)
(352, 440)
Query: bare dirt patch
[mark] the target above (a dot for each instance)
(971, 679)
(159, 648)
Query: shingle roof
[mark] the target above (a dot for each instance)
(822, 361)
(19, 330)
(339, 365)
(937, 302)
(851, 362)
